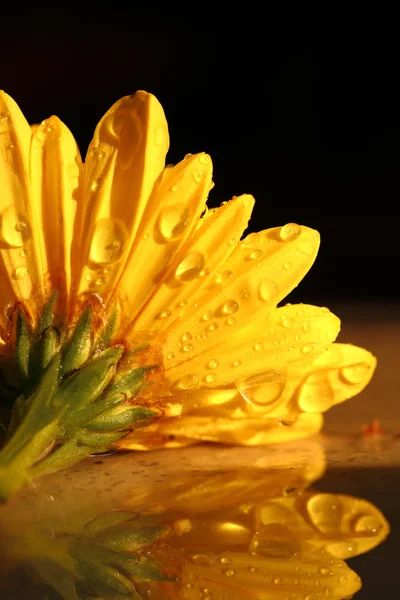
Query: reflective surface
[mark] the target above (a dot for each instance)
(298, 521)
(198, 523)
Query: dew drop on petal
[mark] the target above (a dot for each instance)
(289, 232)
(307, 348)
(108, 241)
(24, 253)
(223, 277)
(100, 281)
(288, 322)
(236, 363)
(172, 221)
(171, 355)
(262, 389)
(230, 307)
(259, 346)
(205, 159)
(190, 267)
(231, 321)
(212, 364)
(254, 255)
(287, 265)
(203, 559)
(187, 382)
(14, 230)
(197, 175)
(267, 290)
(21, 272)
(164, 314)
(212, 326)
(356, 373)
(187, 348)
(186, 337)
(368, 525)
(210, 378)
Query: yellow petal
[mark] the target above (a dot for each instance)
(259, 273)
(55, 168)
(259, 576)
(294, 335)
(170, 218)
(346, 526)
(251, 432)
(209, 247)
(21, 262)
(124, 160)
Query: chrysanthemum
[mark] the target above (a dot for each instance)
(124, 299)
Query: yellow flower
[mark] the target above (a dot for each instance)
(119, 261)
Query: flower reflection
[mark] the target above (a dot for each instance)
(210, 524)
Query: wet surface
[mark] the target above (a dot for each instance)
(303, 520)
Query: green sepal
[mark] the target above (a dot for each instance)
(111, 327)
(64, 456)
(129, 536)
(79, 347)
(47, 316)
(120, 417)
(94, 440)
(50, 344)
(129, 381)
(90, 381)
(80, 416)
(147, 570)
(22, 346)
(114, 517)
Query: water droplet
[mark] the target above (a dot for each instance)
(267, 290)
(190, 267)
(290, 232)
(187, 348)
(236, 363)
(254, 255)
(202, 559)
(186, 337)
(171, 355)
(231, 321)
(212, 327)
(210, 378)
(259, 346)
(262, 389)
(208, 315)
(97, 184)
(325, 511)
(21, 272)
(205, 159)
(226, 561)
(212, 364)
(229, 572)
(316, 393)
(287, 322)
(187, 382)
(368, 525)
(204, 272)
(197, 175)
(306, 326)
(164, 314)
(88, 277)
(172, 221)
(307, 348)
(4, 121)
(14, 230)
(24, 253)
(100, 281)
(278, 581)
(230, 307)
(287, 265)
(223, 277)
(188, 155)
(275, 540)
(357, 373)
(325, 571)
(108, 241)
(175, 187)
(343, 579)
(146, 235)
(245, 293)
(232, 241)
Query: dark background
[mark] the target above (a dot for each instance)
(298, 107)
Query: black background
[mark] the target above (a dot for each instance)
(297, 106)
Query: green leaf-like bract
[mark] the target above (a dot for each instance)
(72, 400)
